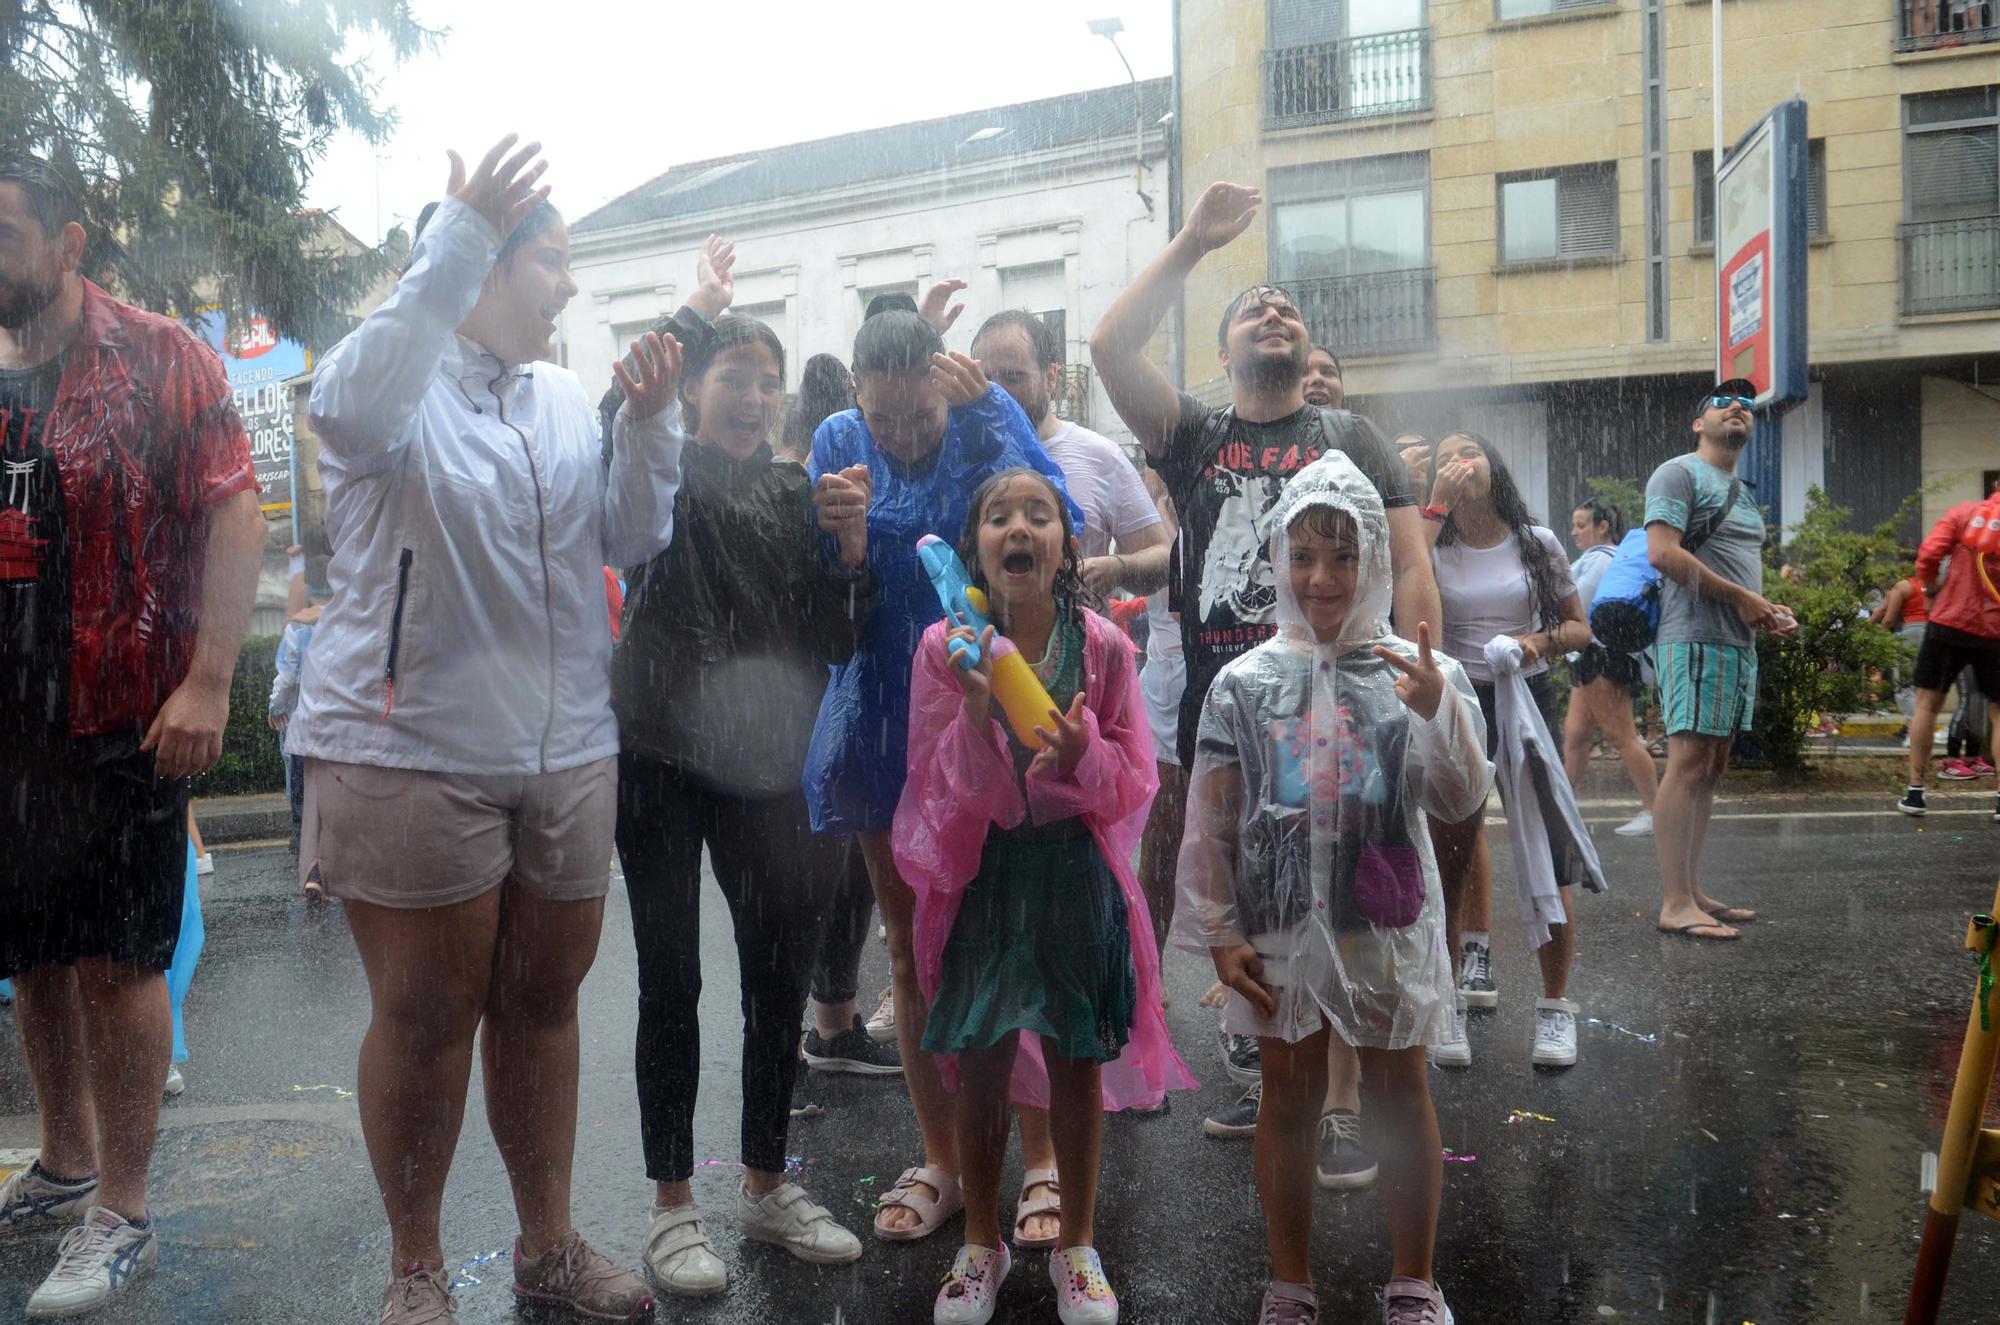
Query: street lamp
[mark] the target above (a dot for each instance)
(1109, 28)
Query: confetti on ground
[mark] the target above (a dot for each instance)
(466, 1279)
(1524, 1116)
(1626, 1030)
(864, 1194)
(1710, 1135)
(1450, 1158)
(338, 1093)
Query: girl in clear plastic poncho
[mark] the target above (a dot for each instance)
(1307, 873)
(1033, 941)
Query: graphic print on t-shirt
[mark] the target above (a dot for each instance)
(25, 500)
(1237, 587)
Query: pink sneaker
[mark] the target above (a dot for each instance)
(972, 1287)
(1955, 770)
(1083, 1294)
(1980, 768)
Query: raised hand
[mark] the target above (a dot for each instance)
(503, 192)
(933, 310)
(650, 374)
(1453, 477)
(1421, 685)
(959, 377)
(1223, 212)
(714, 278)
(840, 502)
(1063, 747)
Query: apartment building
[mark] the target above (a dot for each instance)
(1500, 215)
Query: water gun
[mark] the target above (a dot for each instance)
(1023, 697)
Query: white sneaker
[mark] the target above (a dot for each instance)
(679, 1258)
(882, 1026)
(787, 1218)
(204, 864)
(1457, 1050)
(97, 1261)
(31, 1203)
(176, 1083)
(1414, 1302)
(1555, 1033)
(1639, 825)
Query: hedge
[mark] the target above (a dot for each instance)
(251, 758)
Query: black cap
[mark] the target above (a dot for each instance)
(1728, 386)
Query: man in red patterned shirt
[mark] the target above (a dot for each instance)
(129, 545)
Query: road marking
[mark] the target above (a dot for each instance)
(1814, 814)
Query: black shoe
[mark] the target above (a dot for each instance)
(1240, 1118)
(1913, 803)
(1475, 980)
(852, 1051)
(1344, 1163)
(1241, 1058)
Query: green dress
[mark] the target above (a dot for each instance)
(1041, 942)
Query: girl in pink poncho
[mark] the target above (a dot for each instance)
(1026, 903)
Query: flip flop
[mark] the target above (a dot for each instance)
(1688, 932)
(1029, 1207)
(931, 1214)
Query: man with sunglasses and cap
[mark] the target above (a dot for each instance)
(1705, 536)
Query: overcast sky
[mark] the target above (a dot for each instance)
(618, 91)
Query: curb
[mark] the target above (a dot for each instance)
(243, 818)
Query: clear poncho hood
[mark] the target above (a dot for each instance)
(1333, 482)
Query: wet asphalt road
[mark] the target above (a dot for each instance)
(1753, 1158)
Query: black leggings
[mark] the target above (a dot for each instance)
(837, 971)
(776, 875)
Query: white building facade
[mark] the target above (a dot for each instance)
(1049, 206)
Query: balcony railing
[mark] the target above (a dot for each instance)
(1073, 400)
(1385, 74)
(1951, 266)
(1929, 25)
(1390, 312)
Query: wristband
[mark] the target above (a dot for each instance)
(1437, 513)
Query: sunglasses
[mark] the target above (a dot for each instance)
(1724, 402)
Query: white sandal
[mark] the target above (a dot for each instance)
(931, 1214)
(1028, 1207)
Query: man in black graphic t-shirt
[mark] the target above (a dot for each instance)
(1225, 467)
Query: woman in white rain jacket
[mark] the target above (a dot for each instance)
(455, 715)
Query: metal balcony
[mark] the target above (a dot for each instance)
(1931, 25)
(1391, 312)
(1360, 78)
(1072, 401)
(1950, 266)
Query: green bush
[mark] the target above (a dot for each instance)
(1622, 496)
(1839, 661)
(251, 758)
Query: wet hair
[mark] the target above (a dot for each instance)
(51, 190)
(890, 301)
(1047, 348)
(731, 331)
(1421, 440)
(1328, 522)
(1257, 292)
(1505, 495)
(895, 342)
(824, 391)
(1069, 589)
(1318, 348)
(1604, 513)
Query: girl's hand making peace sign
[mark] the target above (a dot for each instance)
(1421, 685)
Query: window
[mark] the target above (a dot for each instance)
(1535, 8)
(1557, 215)
(1313, 22)
(1951, 155)
(1704, 194)
(1351, 241)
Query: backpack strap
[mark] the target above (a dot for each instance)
(1694, 538)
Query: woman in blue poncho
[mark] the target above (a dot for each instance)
(928, 429)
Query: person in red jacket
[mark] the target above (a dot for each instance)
(1963, 631)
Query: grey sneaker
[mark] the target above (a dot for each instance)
(1289, 1304)
(97, 1261)
(420, 1295)
(788, 1218)
(576, 1276)
(1344, 1163)
(1240, 1118)
(1475, 976)
(1414, 1302)
(31, 1201)
(853, 1050)
(1242, 1058)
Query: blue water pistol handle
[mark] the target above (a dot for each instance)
(954, 590)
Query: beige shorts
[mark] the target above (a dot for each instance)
(406, 838)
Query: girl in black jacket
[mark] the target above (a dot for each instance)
(716, 681)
